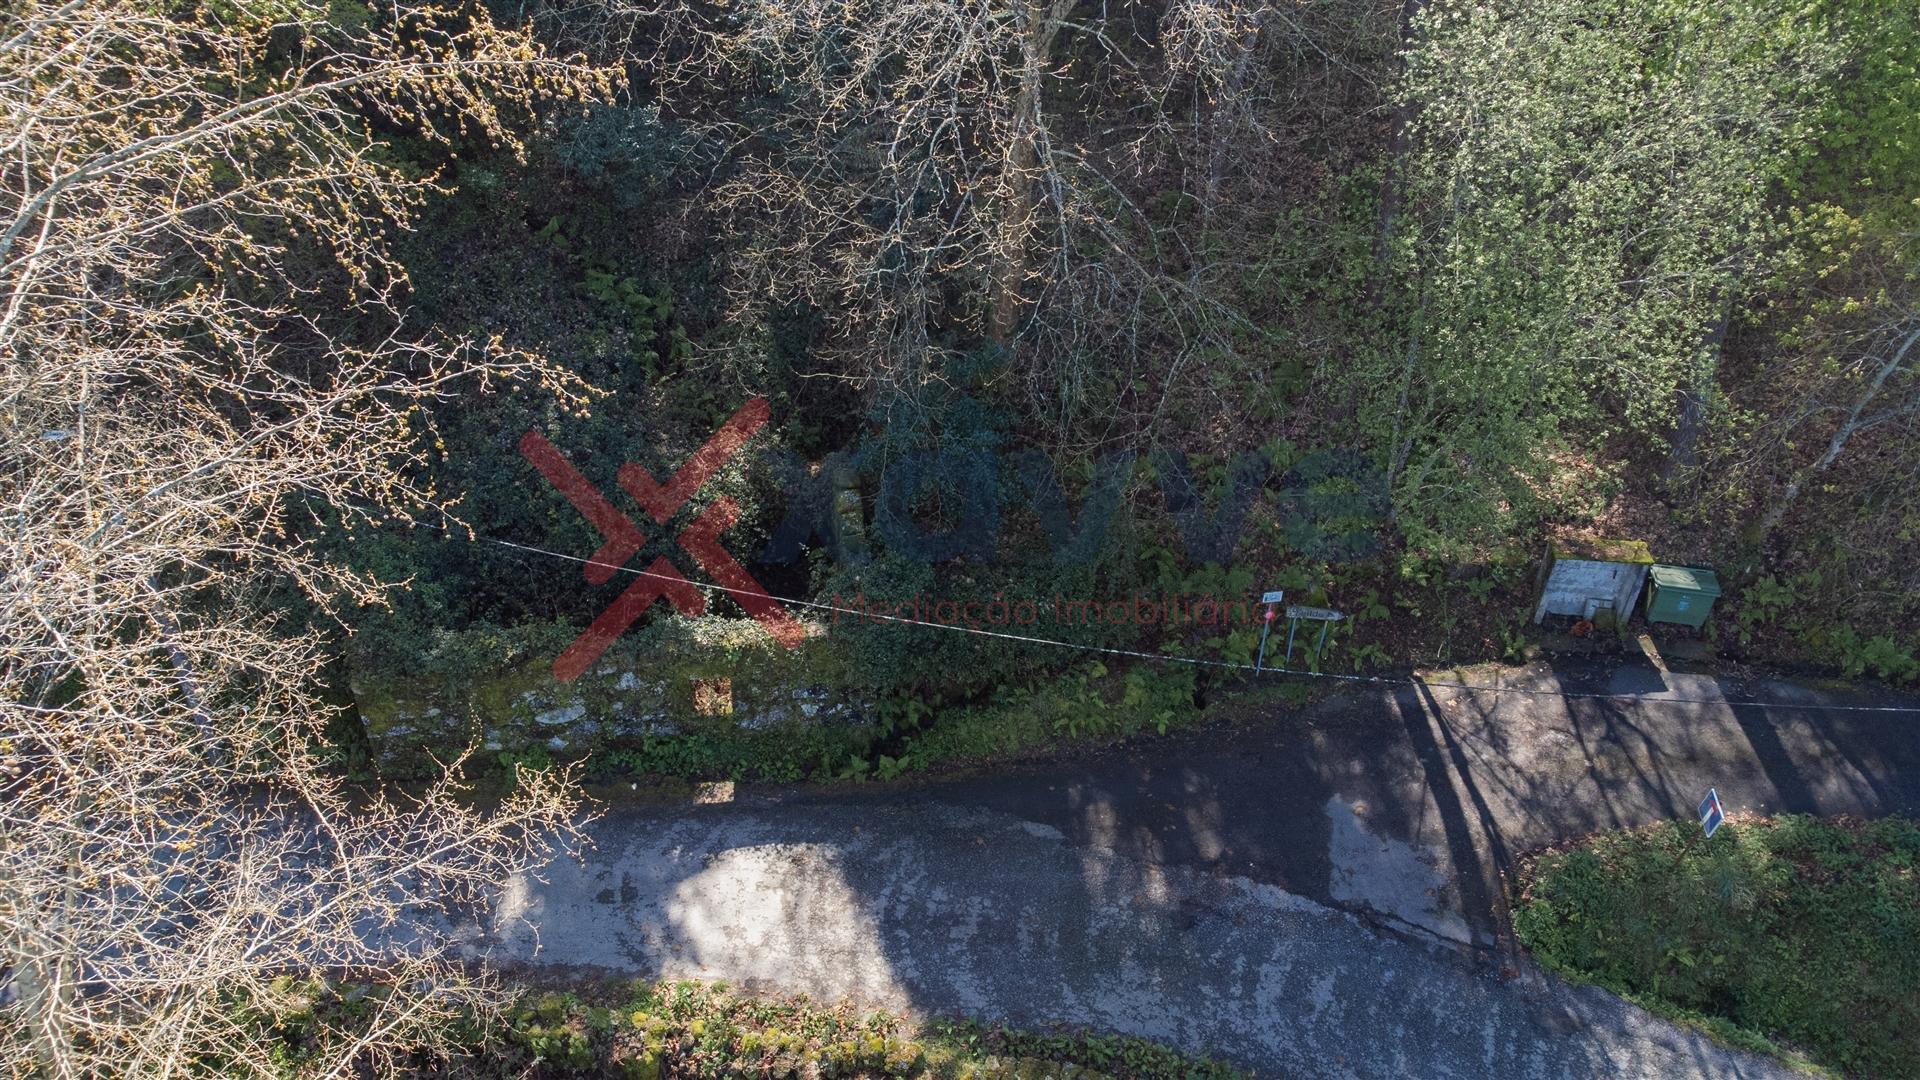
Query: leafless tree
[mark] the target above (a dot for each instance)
(1872, 383)
(932, 173)
(203, 344)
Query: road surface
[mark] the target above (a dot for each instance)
(1317, 895)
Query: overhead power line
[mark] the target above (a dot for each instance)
(1229, 665)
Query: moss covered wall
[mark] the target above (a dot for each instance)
(646, 684)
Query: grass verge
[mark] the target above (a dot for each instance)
(1794, 935)
(685, 1030)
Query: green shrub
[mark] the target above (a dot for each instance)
(1777, 932)
(1880, 655)
(1086, 702)
(780, 755)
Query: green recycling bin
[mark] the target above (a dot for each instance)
(1680, 594)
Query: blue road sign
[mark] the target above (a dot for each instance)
(1711, 815)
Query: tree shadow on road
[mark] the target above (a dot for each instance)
(1106, 890)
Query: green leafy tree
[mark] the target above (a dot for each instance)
(1587, 188)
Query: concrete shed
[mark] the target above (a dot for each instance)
(1580, 577)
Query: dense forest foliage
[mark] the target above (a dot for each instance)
(1402, 289)
(1046, 301)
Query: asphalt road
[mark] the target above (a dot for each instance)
(1317, 895)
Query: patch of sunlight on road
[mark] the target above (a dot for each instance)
(749, 912)
(754, 912)
(1405, 883)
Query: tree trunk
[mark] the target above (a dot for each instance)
(1224, 124)
(1685, 453)
(1391, 184)
(1023, 164)
(1010, 264)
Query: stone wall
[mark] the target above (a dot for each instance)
(676, 677)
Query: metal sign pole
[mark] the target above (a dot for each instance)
(1272, 600)
(1326, 617)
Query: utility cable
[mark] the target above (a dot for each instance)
(1262, 669)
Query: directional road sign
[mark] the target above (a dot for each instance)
(1711, 815)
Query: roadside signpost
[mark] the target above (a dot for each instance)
(1711, 814)
(1326, 617)
(1272, 600)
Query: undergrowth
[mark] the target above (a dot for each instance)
(671, 1031)
(1791, 935)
